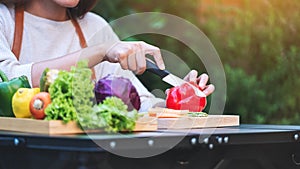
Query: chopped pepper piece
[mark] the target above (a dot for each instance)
(7, 90)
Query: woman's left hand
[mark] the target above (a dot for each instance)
(201, 81)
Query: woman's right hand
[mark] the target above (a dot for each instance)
(132, 55)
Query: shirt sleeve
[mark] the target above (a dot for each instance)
(8, 61)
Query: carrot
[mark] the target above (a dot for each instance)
(38, 104)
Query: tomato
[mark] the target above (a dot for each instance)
(184, 97)
(38, 104)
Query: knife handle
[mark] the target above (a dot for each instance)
(153, 68)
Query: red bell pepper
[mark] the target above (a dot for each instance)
(184, 97)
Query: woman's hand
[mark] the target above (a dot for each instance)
(132, 55)
(201, 81)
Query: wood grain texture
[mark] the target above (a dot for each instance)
(55, 127)
(199, 122)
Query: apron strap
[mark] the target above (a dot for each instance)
(18, 34)
(79, 32)
(82, 40)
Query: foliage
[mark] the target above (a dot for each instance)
(257, 41)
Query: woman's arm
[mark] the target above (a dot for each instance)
(94, 55)
(130, 55)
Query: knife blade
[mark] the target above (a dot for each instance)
(169, 78)
(165, 75)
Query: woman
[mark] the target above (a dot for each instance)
(57, 33)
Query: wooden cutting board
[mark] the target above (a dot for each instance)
(145, 123)
(54, 127)
(199, 122)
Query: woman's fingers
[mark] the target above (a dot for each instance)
(123, 58)
(191, 76)
(202, 80)
(209, 89)
(131, 61)
(140, 61)
(132, 55)
(155, 52)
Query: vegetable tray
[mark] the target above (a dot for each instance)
(56, 127)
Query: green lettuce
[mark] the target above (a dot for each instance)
(111, 115)
(71, 94)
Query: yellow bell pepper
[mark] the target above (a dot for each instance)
(21, 100)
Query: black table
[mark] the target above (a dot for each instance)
(246, 146)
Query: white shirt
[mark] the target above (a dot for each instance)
(45, 39)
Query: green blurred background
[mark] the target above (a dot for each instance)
(258, 42)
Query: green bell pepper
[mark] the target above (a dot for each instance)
(7, 90)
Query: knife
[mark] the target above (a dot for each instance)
(165, 75)
(168, 77)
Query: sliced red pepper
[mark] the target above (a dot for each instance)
(183, 97)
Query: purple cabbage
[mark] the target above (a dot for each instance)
(119, 87)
